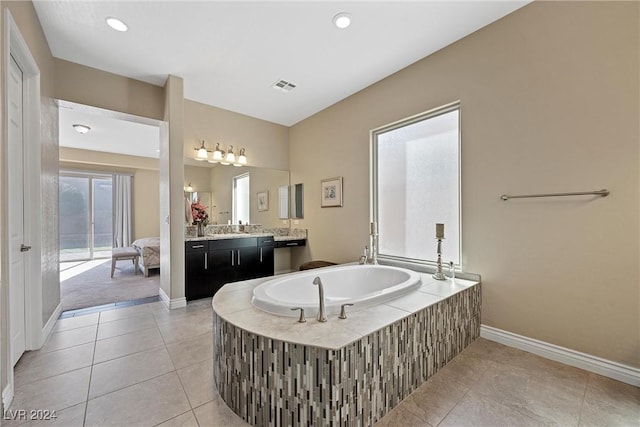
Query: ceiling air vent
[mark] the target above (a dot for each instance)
(284, 86)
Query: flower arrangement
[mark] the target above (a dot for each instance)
(199, 213)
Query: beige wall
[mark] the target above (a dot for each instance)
(89, 86)
(266, 143)
(29, 26)
(549, 98)
(146, 187)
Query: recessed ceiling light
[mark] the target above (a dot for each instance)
(116, 24)
(342, 20)
(81, 128)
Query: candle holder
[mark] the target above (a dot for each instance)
(374, 249)
(439, 274)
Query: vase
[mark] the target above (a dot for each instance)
(200, 229)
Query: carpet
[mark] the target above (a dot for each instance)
(88, 283)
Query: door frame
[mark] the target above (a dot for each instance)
(16, 46)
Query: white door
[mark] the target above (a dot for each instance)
(16, 214)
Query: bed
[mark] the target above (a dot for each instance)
(149, 250)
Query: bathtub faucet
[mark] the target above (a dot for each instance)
(321, 314)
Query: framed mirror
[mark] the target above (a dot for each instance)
(296, 197)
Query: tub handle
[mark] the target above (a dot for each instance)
(301, 319)
(343, 313)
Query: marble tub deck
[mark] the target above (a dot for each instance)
(233, 304)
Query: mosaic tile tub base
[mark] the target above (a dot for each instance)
(270, 382)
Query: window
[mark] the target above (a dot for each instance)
(416, 184)
(241, 199)
(86, 216)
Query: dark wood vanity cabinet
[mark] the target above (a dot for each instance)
(210, 264)
(266, 260)
(196, 269)
(233, 260)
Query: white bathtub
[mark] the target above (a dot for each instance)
(361, 285)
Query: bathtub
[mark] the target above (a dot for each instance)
(360, 285)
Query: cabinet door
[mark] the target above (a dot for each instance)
(266, 261)
(223, 265)
(197, 283)
(247, 263)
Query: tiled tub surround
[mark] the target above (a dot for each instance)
(271, 370)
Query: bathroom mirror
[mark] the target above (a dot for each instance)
(217, 180)
(283, 202)
(296, 206)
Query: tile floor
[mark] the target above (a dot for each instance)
(144, 365)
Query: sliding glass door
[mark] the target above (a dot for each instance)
(86, 217)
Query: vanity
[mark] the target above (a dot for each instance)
(214, 260)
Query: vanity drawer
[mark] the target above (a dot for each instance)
(242, 242)
(197, 246)
(266, 241)
(291, 243)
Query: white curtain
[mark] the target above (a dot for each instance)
(122, 210)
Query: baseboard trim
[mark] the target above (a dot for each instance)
(172, 303)
(7, 396)
(51, 323)
(597, 365)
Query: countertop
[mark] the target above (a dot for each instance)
(233, 304)
(242, 236)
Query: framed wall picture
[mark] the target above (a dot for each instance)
(263, 201)
(331, 192)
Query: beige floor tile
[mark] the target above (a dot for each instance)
(197, 381)
(125, 326)
(190, 351)
(76, 322)
(609, 402)
(510, 396)
(70, 417)
(433, 400)
(184, 329)
(217, 413)
(70, 338)
(128, 370)
(54, 393)
(188, 419)
(36, 365)
(401, 416)
(123, 313)
(148, 403)
(122, 345)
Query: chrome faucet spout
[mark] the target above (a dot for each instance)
(321, 314)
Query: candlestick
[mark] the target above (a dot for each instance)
(439, 231)
(374, 228)
(439, 274)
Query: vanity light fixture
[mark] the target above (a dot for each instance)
(342, 20)
(202, 154)
(188, 188)
(218, 154)
(82, 129)
(242, 158)
(227, 157)
(116, 24)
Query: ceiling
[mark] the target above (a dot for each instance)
(230, 53)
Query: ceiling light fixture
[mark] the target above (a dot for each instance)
(116, 24)
(82, 129)
(342, 20)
